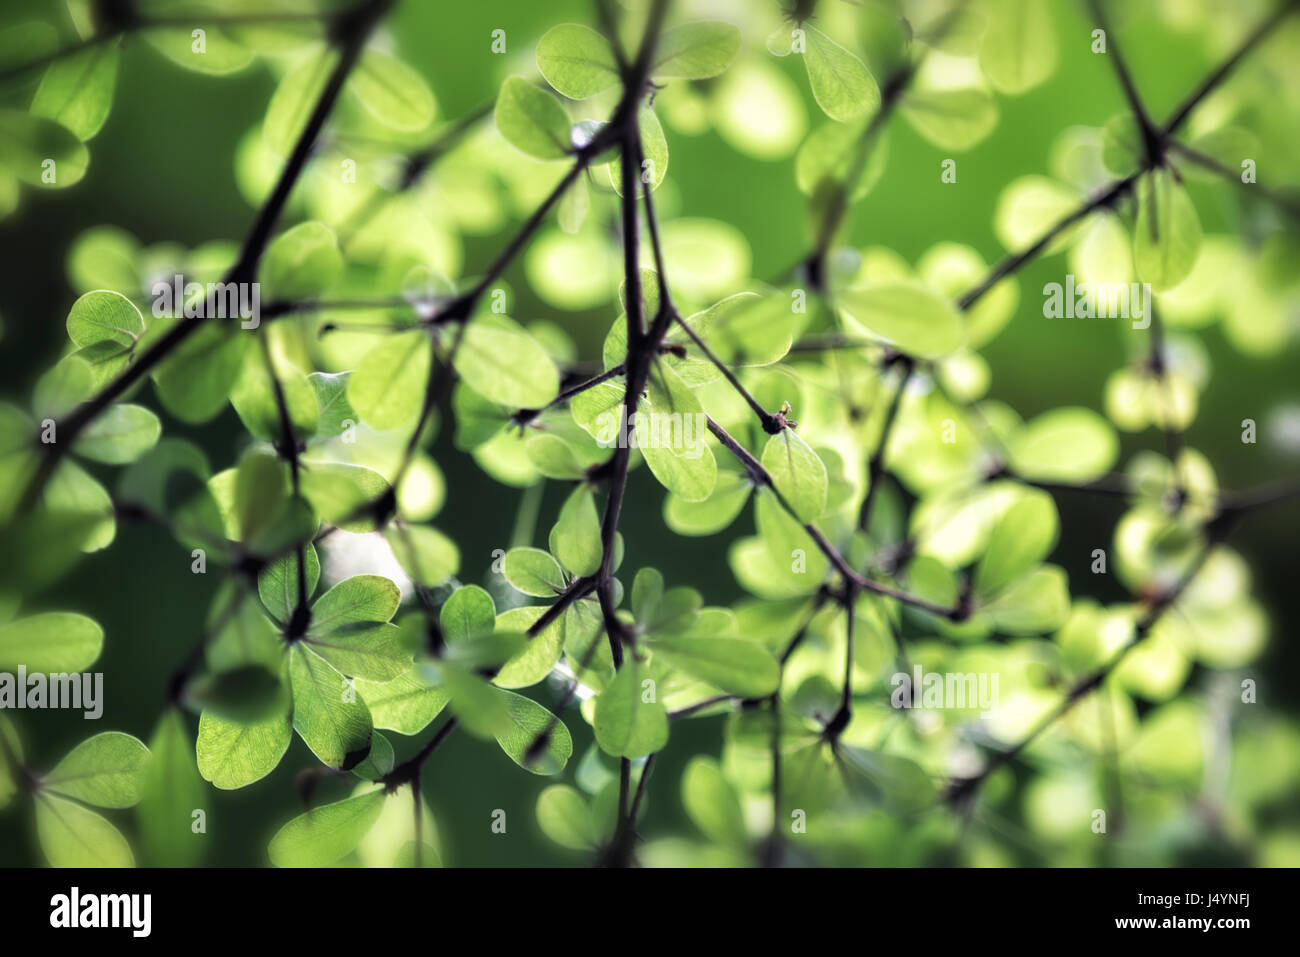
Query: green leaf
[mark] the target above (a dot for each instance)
(528, 719)
(40, 152)
(373, 650)
(713, 804)
(841, 83)
(533, 572)
(336, 412)
(86, 505)
(1064, 445)
(696, 51)
(1023, 537)
(63, 388)
(105, 770)
(830, 158)
(908, 315)
(391, 841)
(537, 655)
(120, 435)
(343, 494)
(393, 92)
(387, 389)
(576, 536)
(292, 523)
(1020, 49)
(221, 55)
(626, 724)
(277, 585)
(574, 206)
(255, 400)
(327, 713)
(301, 263)
(732, 665)
(77, 91)
(53, 643)
(325, 835)
(424, 553)
(245, 692)
(900, 781)
(104, 315)
(1035, 604)
(532, 120)
(596, 411)
(22, 44)
(1122, 148)
(505, 364)
(647, 590)
(556, 443)
(362, 598)
(194, 383)
(657, 610)
(172, 792)
(11, 750)
(379, 762)
(654, 164)
(791, 551)
(476, 704)
(241, 633)
(407, 704)
(469, 613)
(478, 420)
(670, 430)
(744, 329)
(713, 514)
(1167, 234)
(74, 836)
(233, 754)
(798, 472)
(293, 100)
(576, 60)
(955, 119)
(564, 817)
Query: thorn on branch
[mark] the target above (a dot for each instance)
(775, 422)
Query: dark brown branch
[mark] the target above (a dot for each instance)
(761, 476)
(1013, 262)
(965, 789)
(772, 424)
(409, 770)
(1152, 139)
(1212, 82)
(363, 22)
(1287, 204)
(876, 465)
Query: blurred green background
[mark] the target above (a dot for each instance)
(162, 170)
